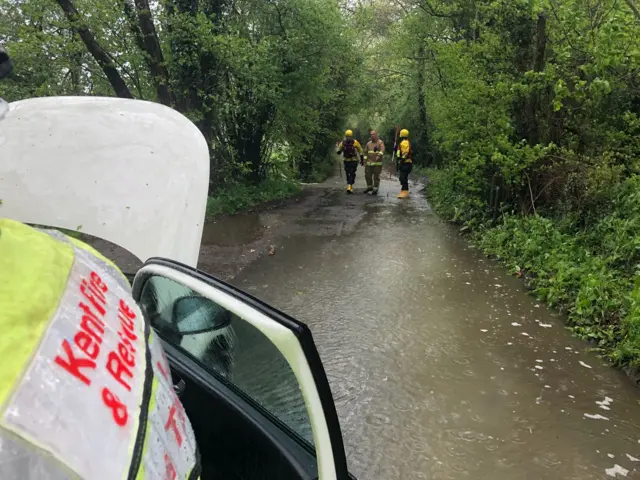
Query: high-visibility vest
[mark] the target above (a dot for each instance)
(373, 156)
(405, 152)
(85, 387)
(350, 156)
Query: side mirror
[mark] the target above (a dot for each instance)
(195, 314)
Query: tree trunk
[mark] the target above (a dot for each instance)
(95, 49)
(634, 7)
(152, 48)
(539, 59)
(75, 68)
(541, 43)
(422, 137)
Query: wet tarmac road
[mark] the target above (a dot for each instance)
(441, 366)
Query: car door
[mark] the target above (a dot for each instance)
(260, 361)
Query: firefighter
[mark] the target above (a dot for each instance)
(350, 149)
(86, 390)
(374, 150)
(404, 155)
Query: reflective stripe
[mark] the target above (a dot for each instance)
(374, 164)
(33, 275)
(18, 459)
(89, 390)
(177, 450)
(86, 379)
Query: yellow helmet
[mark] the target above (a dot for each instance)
(348, 133)
(404, 133)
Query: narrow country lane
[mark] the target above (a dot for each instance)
(440, 364)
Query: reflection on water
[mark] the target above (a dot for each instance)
(440, 365)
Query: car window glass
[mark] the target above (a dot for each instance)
(228, 346)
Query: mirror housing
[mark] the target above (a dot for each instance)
(194, 314)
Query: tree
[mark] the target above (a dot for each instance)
(526, 103)
(255, 76)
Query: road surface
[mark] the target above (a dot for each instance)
(442, 367)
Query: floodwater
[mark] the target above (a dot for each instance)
(233, 230)
(441, 366)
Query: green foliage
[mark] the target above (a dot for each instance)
(253, 75)
(241, 197)
(532, 105)
(614, 234)
(535, 109)
(627, 352)
(567, 276)
(591, 273)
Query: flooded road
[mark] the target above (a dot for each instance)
(440, 364)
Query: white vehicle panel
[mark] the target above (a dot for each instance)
(132, 172)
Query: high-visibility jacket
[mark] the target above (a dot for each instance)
(347, 157)
(85, 388)
(374, 152)
(405, 152)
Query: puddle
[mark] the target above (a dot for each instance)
(233, 230)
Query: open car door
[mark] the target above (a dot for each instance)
(136, 174)
(249, 377)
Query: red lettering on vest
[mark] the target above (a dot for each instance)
(97, 281)
(118, 409)
(118, 370)
(127, 342)
(126, 354)
(98, 303)
(126, 310)
(87, 345)
(121, 361)
(91, 324)
(171, 423)
(127, 333)
(170, 470)
(180, 411)
(73, 364)
(163, 371)
(97, 292)
(88, 338)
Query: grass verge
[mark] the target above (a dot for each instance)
(573, 270)
(242, 198)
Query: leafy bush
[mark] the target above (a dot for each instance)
(242, 197)
(588, 269)
(532, 116)
(567, 276)
(615, 233)
(451, 201)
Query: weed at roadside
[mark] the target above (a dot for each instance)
(241, 197)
